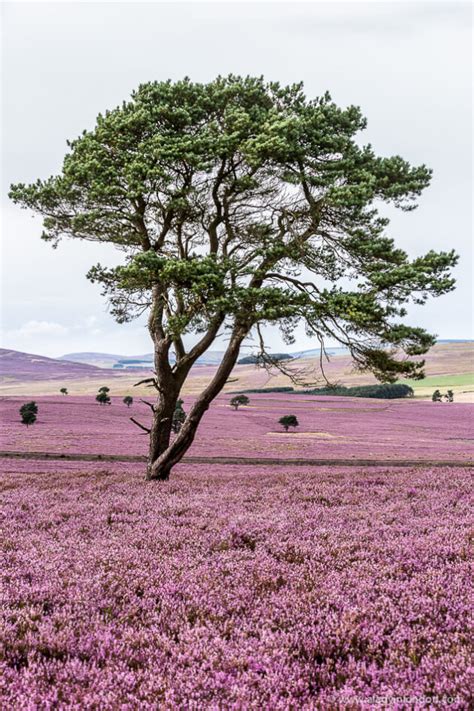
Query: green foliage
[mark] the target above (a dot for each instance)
(28, 413)
(450, 396)
(179, 417)
(63, 391)
(223, 194)
(277, 389)
(28, 418)
(104, 389)
(436, 397)
(102, 398)
(264, 358)
(288, 421)
(239, 400)
(128, 400)
(29, 407)
(385, 391)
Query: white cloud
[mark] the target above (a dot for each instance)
(38, 328)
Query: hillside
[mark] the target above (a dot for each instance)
(112, 360)
(448, 365)
(20, 367)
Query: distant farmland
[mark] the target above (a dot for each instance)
(448, 365)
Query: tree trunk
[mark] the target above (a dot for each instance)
(163, 458)
(167, 384)
(160, 433)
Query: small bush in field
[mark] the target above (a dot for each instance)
(288, 421)
(102, 398)
(128, 400)
(64, 391)
(28, 413)
(104, 389)
(239, 400)
(449, 396)
(436, 397)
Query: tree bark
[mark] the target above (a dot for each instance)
(163, 456)
(168, 388)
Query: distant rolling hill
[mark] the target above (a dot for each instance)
(448, 365)
(15, 365)
(122, 362)
(109, 360)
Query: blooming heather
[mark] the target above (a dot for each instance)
(330, 428)
(232, 588)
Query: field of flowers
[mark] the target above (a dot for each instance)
(330, 428)
(234, 588)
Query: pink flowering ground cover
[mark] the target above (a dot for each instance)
(330, 428)
(230, 588)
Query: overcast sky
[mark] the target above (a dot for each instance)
(407, 65)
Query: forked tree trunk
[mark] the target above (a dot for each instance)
(161, 427)
(163, 456)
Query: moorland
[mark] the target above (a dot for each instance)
(285, 585)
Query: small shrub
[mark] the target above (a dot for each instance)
(28, 413)
(29, 406)
(128, 400)
(436, 397)
(104, 389)
(239, 400)
(64, 391)
(289, 421)
(450, 396)
(102, 398)
(28, 418)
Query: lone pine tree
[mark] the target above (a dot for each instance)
(241, 203)
(28, 413)
(102, 398)
(288, 421)
(239, 400)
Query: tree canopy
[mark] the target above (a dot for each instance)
(241, 203)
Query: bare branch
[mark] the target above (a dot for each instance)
(150, 404)
(142, 427)
(152, 383)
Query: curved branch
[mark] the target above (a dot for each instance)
(142, 427)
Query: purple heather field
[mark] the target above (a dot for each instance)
(251, 587)
(329, 427)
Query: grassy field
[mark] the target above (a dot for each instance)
(461, 384)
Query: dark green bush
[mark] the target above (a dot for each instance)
(281, 389)
(239, 400)
(384, 391)
(288, 421)
(260, 359)
(102, 397)
(28, 413)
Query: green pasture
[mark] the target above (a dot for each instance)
(442, 381)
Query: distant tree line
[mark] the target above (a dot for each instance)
(383, 391)
(262, 358)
